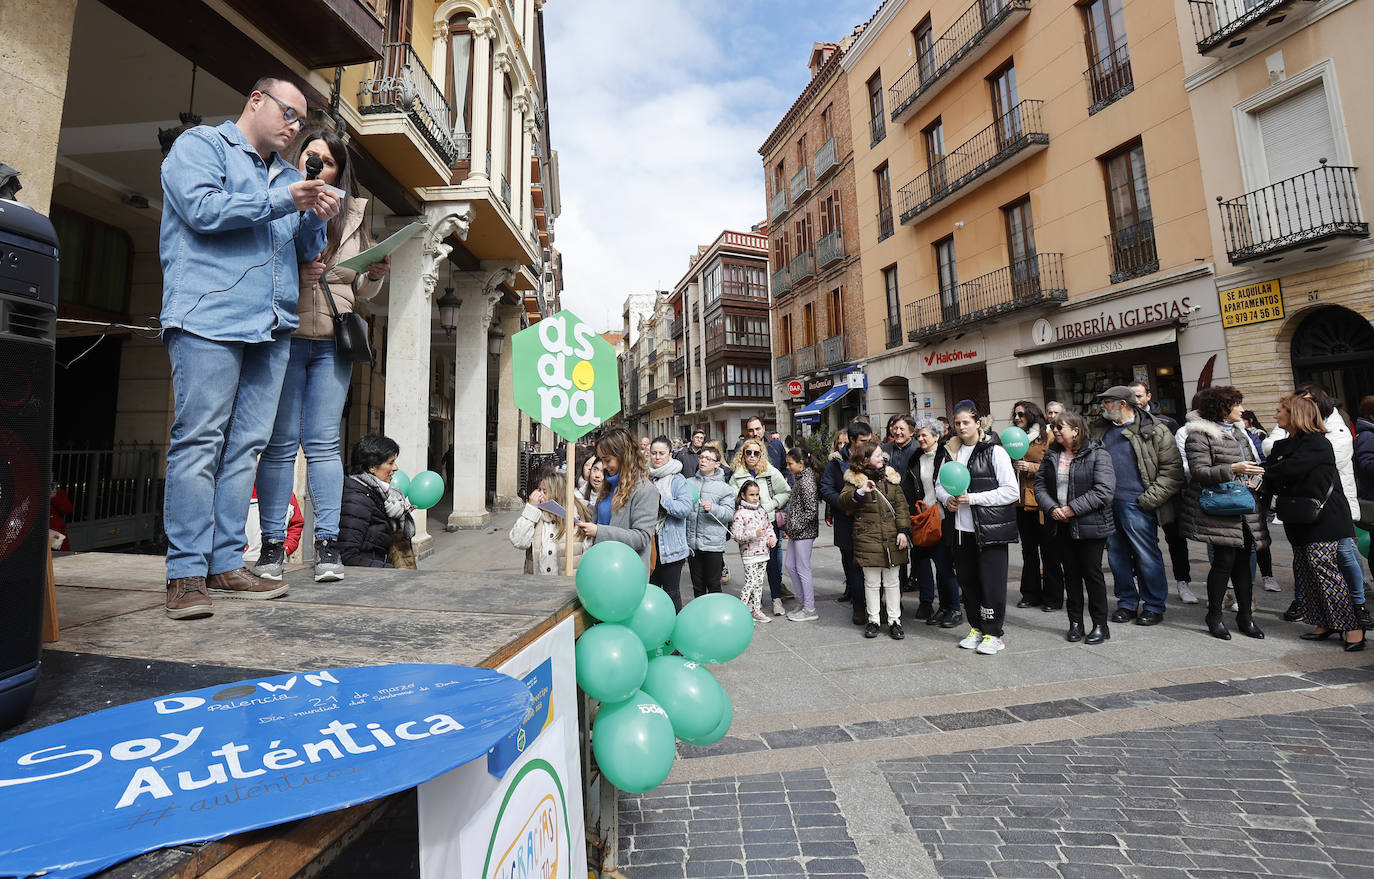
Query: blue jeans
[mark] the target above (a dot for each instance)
(224, 399)
(1135, 544)
(312, 400)
(1349, 558)
(939, 556)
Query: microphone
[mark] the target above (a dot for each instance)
(313, 166)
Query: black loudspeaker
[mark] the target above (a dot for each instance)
(28, 324)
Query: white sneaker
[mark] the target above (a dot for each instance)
(972, 639)
(778, 609)
(761, 617)
(1272, 585)
(1185, 592)
(991, 645)
(803, 616)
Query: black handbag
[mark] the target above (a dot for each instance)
(350, 333)
(1301, 510)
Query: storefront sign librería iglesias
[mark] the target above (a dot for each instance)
(1251, 304)
(1089, 325)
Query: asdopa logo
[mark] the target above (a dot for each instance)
(532, 839)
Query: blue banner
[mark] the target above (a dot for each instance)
(82, 795)
(509, 749)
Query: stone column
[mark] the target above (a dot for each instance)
(483, 32)
(480, 294)
(439, 59)
(37, 46)
(509, 426)
(414, 273)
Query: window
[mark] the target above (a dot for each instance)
(1025, 268)
(739, 382)
(458, 82)
(894, 307)
(1296, 133)
(1004, 101)
(884, 181)
(1109, 61)
(828, 212)
(696, 355)
(877, 129)
(834, 316)
(802, 157)
(808, 324)
(802, 234)
(948, 274)
(785, 334)
(710, 285)
(827, 124)
(744, 331)
(780, 176)
(1128, 207)
(780, 251)
(741, 281)
(934, 138)
(925, 49)
(96, 263)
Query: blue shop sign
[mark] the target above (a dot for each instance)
(79, 796)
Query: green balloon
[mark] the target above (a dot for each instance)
(696, 493)
(664, 649)
(1015, 441)
(1362, 541)
(633, 743)
(653, 620)
(400, 481)
(721, 729)
(611, 581)
(611, 663)
(714, 628)
(426, 488)
(689, 693)
(955, 477)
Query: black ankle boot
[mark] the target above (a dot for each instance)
(1075, 631)
(1246, 626)
(1216, 628)
(1098, 634)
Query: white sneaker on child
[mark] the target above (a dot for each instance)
(801, 615)
(761, 617)
(1185, 592)
(778, 609)
(990, 645)
(971, 640)
(1272, 585)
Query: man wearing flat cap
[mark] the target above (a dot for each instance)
(1149, 475)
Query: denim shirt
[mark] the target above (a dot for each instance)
(225, 210)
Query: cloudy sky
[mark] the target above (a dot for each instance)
(657, 109)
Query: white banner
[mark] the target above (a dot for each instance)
(528, 822)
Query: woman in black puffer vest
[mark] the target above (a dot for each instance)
(372, 510)
(1074, 487)
(984, 521)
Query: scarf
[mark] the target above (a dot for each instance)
(1034, 433)
(663, 477)
(603, 506)
(393, 503)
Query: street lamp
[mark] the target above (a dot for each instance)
(449, 304)
(496, 339)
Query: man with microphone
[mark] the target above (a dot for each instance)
(237, 223)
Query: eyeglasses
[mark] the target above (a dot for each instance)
(288, 112)
(752, 453)
(1018, 414)
(1058, 427)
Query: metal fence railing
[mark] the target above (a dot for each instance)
(1110, 79)
(116, 495)
(1318, 204)
(399, 82)
(1032, 281)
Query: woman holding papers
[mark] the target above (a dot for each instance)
(316, 382)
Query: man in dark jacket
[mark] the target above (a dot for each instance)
(1173, 536)
(899, 451)
(687, 455)
(832, 483)
(1149, 476)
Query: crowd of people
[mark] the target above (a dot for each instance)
(1078, 489)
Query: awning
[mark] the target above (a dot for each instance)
(811, 412)
(1107, 343)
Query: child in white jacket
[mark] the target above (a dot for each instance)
(540, 533)
(754, 533)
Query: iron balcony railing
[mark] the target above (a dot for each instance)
(1109, 80)
(679, 405)
(801, 184)
(1313, 206)
(885, 223)
(829, 249)
(399, 83)
(825, 158)
(972, 33)
(782, 366)
(777, 204)
(781, 282)
(1133, 251)
(1011, 138)
(877, 130)
(835, 350)
(116, 495)
(652, 396)
(894, 330)
(1035, 280)
(679, 366)
(804, 359)
(675, 328)
(803, 266)
(505, 191)
(653, 356)
(1218, 22)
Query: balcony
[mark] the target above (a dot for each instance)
(829, 249)
(1305, 212)
(967, 40)
(885, 224)
(1036, 280)
(653, 356)
(877, 130)
(679, 366)
(400, 84)
(1133, 252)
(679, 405)
(801, 184)
(322, 33)
(781, 283)
(803, 266)
(1220, 25)
(782, 366)
(835, 350)
(652, 396)
(777, 205)
(804, 360)
(505, 193)
(675, 328)
(1006, 143)
(1109, 80)
(825, 159)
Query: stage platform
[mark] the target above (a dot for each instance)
(118, 646)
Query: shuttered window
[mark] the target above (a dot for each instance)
(1296, 134)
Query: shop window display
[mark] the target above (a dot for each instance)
(1077, 383)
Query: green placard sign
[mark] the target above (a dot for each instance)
(565, 375)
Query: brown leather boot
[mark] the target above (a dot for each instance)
(187, 598)
(243, 583)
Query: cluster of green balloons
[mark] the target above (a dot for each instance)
(650, 696)
(424, 489)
